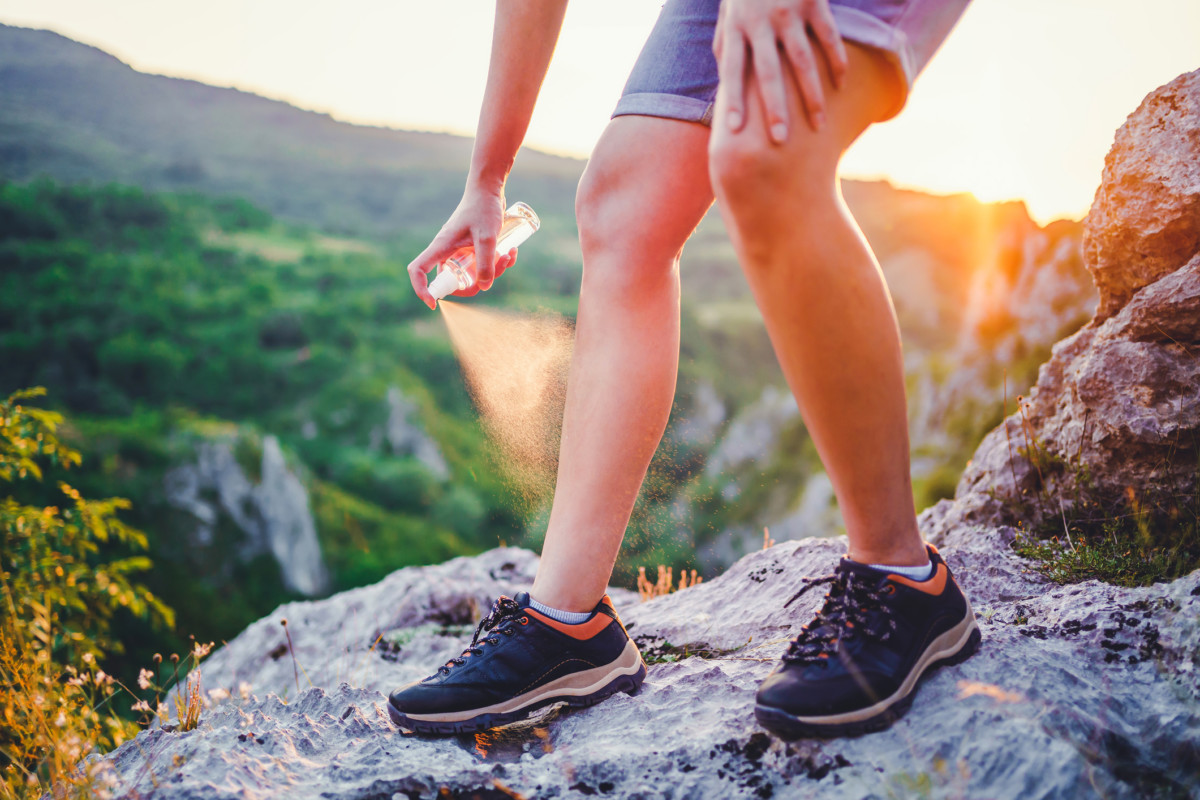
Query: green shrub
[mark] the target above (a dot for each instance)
(61, 585)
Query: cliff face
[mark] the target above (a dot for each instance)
(1078, 690)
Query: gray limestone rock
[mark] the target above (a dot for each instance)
(1077, 689)
(407, 439)
(273, 515)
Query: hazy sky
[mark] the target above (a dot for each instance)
(1021, 102)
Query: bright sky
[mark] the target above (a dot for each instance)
(1021, 102)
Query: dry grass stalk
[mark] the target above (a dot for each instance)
(768, 542)
(665, 583)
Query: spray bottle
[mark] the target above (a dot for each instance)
(520, 222)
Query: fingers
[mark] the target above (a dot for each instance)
(803, 31)
(502, 263)
(485, 260)
(733, 73)
(804, 66)
(769, 72)
(419, 267)
(507, 260)
(825, 29)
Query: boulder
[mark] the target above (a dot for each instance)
(1114, 418)
(1145, 220)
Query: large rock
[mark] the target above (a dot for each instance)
(1115, 413)
(1076, 689)
(1145, 220)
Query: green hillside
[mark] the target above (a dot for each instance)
(75, 113)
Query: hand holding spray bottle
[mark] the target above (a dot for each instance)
(520, 222)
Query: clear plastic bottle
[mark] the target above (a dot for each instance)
(520, 222)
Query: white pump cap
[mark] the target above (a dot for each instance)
(444, 284)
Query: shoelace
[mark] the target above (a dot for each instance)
(847, 612)
(504, 610)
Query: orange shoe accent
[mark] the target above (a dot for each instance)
(934, 585)
(584, 630)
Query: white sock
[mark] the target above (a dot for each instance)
(569, 617)
(921, 573)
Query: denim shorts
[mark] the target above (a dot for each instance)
(676, 74)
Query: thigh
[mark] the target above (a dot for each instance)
(867, 95)
(646, 185)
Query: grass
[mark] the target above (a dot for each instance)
(1073, 531)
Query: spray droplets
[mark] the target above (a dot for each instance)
(515, 366)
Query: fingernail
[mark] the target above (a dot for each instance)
(735, 118)
(779, 131)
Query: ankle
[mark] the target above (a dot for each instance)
(897, 557)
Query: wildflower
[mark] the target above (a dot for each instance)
(244, 690)
(161, 711)
(61, 720)
(144, 678)
(141, 705)
(201, 650)
(88, 658)
(218, 695)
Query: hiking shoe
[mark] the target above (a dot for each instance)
(855, 667)
(519, 661)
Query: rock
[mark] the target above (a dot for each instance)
(1115, 415)
(753, 435)
(705, 418)
(287, 523)
(1081, 686)
(1145, 220)
(408, 439)
(273, 515)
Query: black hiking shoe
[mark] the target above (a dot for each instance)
(519, 661)
(855, 667)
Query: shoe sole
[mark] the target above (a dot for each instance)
(626, 674)
(953, 647)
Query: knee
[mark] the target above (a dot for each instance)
(622, 249)
(748, 172)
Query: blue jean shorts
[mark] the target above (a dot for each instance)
(676, 74)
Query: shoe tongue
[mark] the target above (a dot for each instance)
(522, 599)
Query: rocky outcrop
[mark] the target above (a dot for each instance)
(1115, 413)
(1077, 689)
(273, 514)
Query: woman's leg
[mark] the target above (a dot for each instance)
(826, 306)
(644, 191)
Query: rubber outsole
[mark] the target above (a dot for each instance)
(787, 726)
(622, 683)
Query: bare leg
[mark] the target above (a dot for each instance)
(827, 308)
(643, 193)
